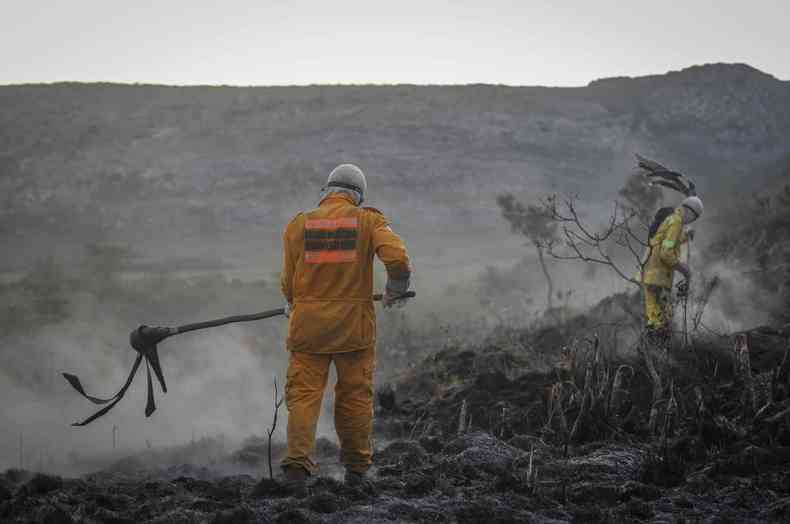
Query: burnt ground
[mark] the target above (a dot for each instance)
(472, 436)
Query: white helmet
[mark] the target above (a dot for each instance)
(350, 178)
(694, 204)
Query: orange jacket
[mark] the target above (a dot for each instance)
(327, 274)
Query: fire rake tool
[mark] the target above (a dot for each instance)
(144, 340)
(661, 176)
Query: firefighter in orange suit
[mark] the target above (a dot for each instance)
(327, 280)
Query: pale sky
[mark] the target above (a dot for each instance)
(267, 42)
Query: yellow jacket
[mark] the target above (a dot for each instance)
(327, 274)
(664, 254)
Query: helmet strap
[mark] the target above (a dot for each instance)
(350, 187)
(696, 215)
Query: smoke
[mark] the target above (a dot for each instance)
(469, 280)
(739, 302)
(218, 383)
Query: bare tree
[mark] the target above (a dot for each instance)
(532, 222)
(581, 241)
(556, 228)
(278, 401)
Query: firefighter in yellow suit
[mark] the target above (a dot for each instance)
(663, 260)
(327, 280)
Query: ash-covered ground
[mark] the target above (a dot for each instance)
(502, 432)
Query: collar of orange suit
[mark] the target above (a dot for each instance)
(337, 196)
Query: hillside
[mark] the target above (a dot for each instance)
(212, 173)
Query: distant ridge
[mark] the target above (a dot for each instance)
(718, 70)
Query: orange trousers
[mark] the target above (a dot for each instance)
(304, 392)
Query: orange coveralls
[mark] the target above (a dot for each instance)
(327, 278)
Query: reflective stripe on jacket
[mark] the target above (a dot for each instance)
(328, 274)
(665, 251)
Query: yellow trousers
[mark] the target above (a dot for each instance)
(304, 392)
(658, 308)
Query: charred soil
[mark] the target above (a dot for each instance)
(478, 435)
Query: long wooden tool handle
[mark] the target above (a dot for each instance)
(250, 318)
(229, 320)
(409, 294)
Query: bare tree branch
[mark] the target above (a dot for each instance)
(582, 242)
(278, 401)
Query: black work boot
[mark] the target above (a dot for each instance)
(658, 336)
(355, 479)
(296, 480)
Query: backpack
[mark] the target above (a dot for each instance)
(661, 215)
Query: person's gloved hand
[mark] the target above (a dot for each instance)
(287, 311)
(683, 289)
(393, 293)
(390, 300)
(690, 234)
